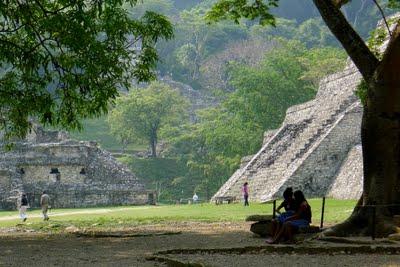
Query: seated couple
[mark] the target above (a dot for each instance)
(297, 214)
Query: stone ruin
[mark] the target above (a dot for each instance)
(317, 149)
(75, 174)
(197, 99)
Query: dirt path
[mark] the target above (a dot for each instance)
(54, 213)
(69, 250)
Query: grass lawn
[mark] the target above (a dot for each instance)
(126, 216)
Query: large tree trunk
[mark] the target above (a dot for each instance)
(354, 45)
(380, 135)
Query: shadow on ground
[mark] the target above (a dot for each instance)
(205, 244)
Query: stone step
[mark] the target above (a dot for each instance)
(282, 154)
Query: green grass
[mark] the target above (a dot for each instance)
(97, 130)
(126, 216)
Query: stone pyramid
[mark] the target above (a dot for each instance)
(317, 149)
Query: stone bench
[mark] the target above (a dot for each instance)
(259, 218)
(262, 226)
(312, 229)
(190, 201)
(227, 199)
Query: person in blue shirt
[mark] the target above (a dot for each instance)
(288, 204)
(301, 218)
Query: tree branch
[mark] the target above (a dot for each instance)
(8, 42)
(9, 30)
(45, 12)
(355, 47)
(391, 58)
(53, 12)
(340, 3)
(383, 16)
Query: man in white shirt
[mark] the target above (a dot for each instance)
(45, 204)
(195, 198)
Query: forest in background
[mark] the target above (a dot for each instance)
(252, 73)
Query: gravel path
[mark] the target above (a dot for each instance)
(64, 213)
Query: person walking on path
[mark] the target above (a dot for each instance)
(44, 203)
(245, 191)
(23, 207)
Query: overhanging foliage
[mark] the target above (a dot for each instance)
(61, 61)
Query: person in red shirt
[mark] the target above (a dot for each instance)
(245, 191)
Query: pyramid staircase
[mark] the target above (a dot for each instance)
(284, 153)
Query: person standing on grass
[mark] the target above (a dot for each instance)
(195, 198)
(23, 207)
(245, 191)
(45, 203)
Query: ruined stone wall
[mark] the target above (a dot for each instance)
(5, 179)
(198, 99)
(53, 173)
(245, 160)
(39, 135)
(350, 177)
(319, 169)
(267, 136)
(299, 113)
(75, 174)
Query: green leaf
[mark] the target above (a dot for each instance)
(62, 61)
(237, 9)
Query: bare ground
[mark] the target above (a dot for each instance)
(40, 249)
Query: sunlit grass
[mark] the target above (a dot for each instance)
(127, 216)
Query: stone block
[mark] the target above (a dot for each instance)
(256, 218)
(309, 230)
(263, 228)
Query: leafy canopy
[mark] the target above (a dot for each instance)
(61, 61)
(394, 4)
(237, 9)
(139, 116)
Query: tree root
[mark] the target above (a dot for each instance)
(122, 235)
(361, 223)
(350, 247)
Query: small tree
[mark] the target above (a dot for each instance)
(140, 115)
